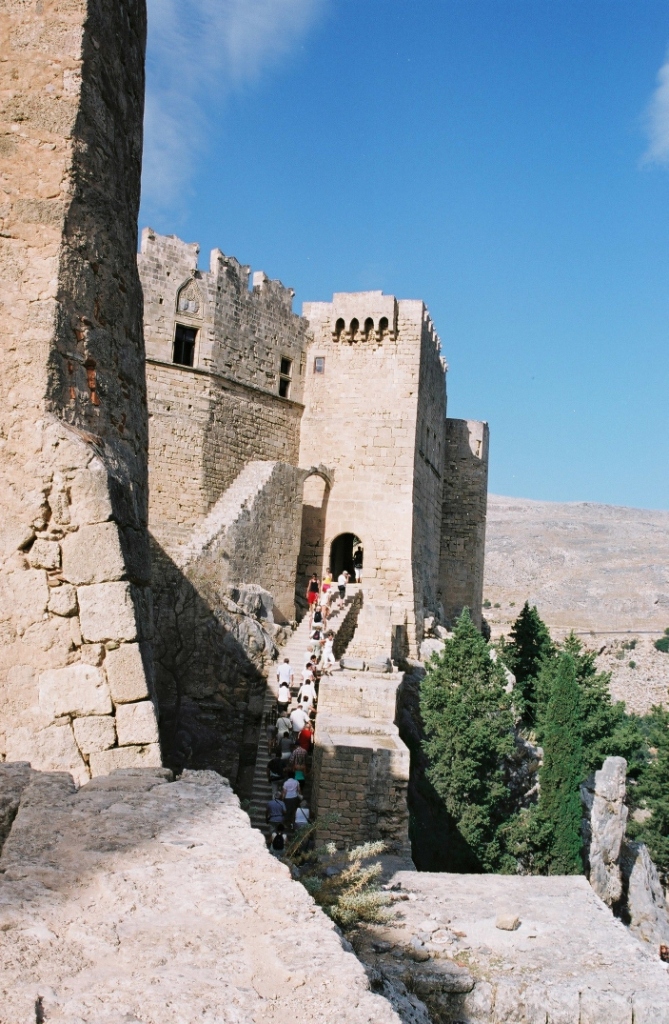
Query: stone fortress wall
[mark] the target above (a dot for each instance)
(212, 418)
(75, 608)
(464, 511)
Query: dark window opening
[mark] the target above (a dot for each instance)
(355, 327)
(340, 328)
(383, 326)
(184, 345)
(369, 329)
(285, 376)
(319, 364)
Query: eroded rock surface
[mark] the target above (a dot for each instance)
(139, 899)
(569, 961)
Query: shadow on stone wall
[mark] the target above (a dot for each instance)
(210, 657)
(436, 842)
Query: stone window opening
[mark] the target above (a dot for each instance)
(184, 345)
(285, 376)
(383, 326)
(319, 364)
(340, 329)
(369, 329)
(355, 327)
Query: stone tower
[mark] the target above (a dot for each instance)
(75, 619)
(375, 413)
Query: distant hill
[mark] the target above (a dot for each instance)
(585, 566)
(598, 569)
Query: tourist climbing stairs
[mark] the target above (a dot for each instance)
(295, 649)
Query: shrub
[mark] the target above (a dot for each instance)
(353, 894)
(662, 644)
(652, 791)
(486, 603)
(631, 664)
(497, 605)
(469, 729)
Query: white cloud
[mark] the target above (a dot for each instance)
(657, 120)
(199, 49)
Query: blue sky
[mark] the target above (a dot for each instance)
(505, 160)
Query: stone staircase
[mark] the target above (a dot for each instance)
(232, 504)
(294, 649)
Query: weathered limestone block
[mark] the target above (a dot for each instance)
(77, 690)
(63, 600)
(646, 903)
(13, 780)
(95, 733)
(45, 554)
(429, 647)
(45, 748)
(136, 724)
(93, 555)
(91, 500)
(107, 761)
(126, 675)
(24, 597)
(608, 819)
(107, 612)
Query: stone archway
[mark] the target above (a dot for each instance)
(311, 559)
(342, 554)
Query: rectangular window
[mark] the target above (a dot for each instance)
(285, 376)
(184, 345)
(319, 364)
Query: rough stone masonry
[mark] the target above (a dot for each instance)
(75, 607)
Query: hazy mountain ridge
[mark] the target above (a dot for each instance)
(601, 570)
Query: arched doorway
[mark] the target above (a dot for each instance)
(312, 541)
(346, 551)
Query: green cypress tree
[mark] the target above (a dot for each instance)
(607, 729)
(530, 643)
(469, 729)
(562, 769)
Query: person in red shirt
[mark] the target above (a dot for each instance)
(306, 738)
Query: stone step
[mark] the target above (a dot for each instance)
(294, 649)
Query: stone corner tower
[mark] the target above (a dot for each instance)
(75, 609)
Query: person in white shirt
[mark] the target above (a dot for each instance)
(285, 676)
(328, 654)
(298, 720)
(342, 580)
(284, 673)
(307, 695)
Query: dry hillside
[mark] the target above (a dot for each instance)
(598, 569)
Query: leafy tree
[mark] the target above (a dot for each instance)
(469, 729)
(530, 643)
(652, 792)
(562, 770)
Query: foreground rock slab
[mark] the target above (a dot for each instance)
(136, 899)
(569, 961)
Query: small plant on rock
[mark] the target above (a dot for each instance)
(662, 644)
(351, 893)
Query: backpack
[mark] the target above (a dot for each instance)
(279, 842)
